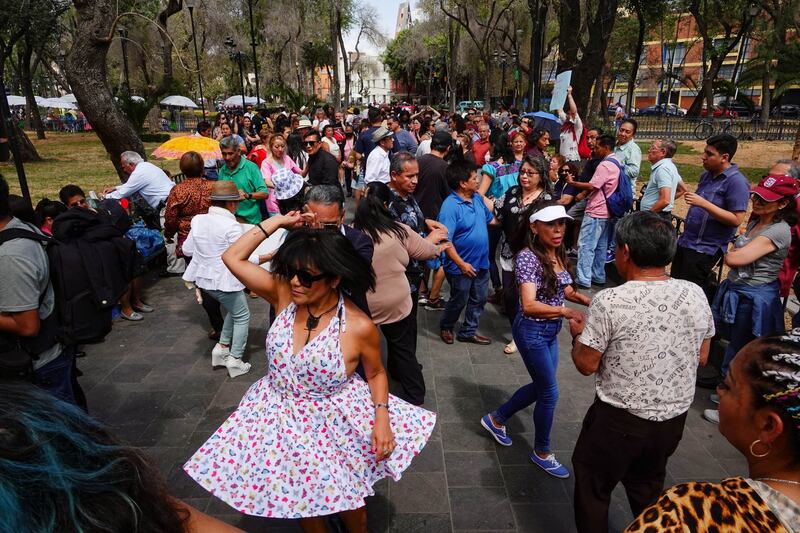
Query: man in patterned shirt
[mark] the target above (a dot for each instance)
(644, 341)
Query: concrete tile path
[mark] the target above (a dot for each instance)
(152, 382)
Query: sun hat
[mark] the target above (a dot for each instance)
(381, 133)
(225, 190)
(287, 183)
(773, 187)
(304, 123)
(549, 214)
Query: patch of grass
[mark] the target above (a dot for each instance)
(684, 148)
(692, 173)
(78, 158)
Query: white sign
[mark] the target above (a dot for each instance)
(559, 98)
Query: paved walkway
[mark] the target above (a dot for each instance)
(152, 382)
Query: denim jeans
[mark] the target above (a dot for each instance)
(237, 321)
(739, 333)
(58, 377)
(592, 245)
(465, 292)
(537, 342)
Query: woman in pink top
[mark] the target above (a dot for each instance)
(390, 303)
(276, 160)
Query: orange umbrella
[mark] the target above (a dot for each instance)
(175, 148)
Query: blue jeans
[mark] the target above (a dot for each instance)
(237, 321)
(465, 292)
(739, 333)
(592, 245)
(537, 342)
(58, 378)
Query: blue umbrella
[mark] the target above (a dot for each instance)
(545, 121)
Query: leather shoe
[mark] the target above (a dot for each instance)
(475, 339)
(447, 336)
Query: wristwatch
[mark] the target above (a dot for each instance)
(249, 196)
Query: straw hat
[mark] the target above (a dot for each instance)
(225, 190)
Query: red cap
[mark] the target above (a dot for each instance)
(773, 187)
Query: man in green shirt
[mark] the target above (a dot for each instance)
(247, 177)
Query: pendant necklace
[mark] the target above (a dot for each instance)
(313, 321)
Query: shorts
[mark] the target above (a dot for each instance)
(357, 184)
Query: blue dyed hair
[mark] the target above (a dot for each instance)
(60, 470)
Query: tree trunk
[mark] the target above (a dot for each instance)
(796, 149)
(87, 75)
(453, 39)
(335, 30)
(637, 57)
(32, 110)
(26, 148)
(597, 106)
(345, 63)
(766, 95)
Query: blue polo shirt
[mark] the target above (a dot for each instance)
(466, 222)
(730, 191)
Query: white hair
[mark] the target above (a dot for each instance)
(131, 158)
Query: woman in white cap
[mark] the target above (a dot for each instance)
(544, 280)
(211, 234)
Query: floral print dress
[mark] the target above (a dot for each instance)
(299, 444)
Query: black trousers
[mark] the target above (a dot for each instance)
(210, 306)
(402, 364)
(696, 267)
(615, 446)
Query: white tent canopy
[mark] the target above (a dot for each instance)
(14, 100)
(69, 98)
(178, 101)
(56, 103)
(236, 100)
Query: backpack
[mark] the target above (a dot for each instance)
(583, 147)
(620, 201)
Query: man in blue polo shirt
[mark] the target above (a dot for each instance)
(716, 209)
(466, 215)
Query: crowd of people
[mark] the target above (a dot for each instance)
(449, 204)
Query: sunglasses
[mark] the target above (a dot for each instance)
(309, 143)
(305, 277)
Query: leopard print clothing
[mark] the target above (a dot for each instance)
(730, 506)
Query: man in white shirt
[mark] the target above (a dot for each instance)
(644, 341)
(146, 179)
(378, 160)
(571, 130)
(665, 181)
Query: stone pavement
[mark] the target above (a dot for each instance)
(152, 382)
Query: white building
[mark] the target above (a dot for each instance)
(369, 80)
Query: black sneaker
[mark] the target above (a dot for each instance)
(435, 305)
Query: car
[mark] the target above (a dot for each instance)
(612, 110)
(743, 108)
(719, 111)
(787, 111)
(659, 110)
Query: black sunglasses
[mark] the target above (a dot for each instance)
(305, 277)
(309, 143)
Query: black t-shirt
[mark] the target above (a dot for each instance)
(432, 186)
(323, 169)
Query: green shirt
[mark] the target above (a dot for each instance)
(247, 178)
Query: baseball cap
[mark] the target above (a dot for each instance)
(773, 187)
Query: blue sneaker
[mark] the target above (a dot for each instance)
(550, 465)
(610, 254)
(499, 434)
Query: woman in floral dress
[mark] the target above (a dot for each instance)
(312, 437)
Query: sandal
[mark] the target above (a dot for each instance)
(133, 317)
(510, 348)
(143, 308)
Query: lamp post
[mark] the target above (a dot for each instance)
(237, 56)
(501, 59)
(123, 34)
(253, 45)
(190, 4)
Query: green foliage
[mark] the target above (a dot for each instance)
(292, 98)
(135, 110)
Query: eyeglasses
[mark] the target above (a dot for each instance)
(305, 277)
(528, 173)
(309, 143)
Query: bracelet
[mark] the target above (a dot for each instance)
(384, 405)
(575, 339)
(259, 226)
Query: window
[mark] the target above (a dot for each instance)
(726, 72)
(676, 52)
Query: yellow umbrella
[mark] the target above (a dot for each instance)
(175, 148)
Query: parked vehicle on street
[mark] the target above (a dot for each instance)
(658, 110)
(787, 111)
(719, 111)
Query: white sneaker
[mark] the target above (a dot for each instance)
(714, 398)
(236, 367)
(219, 354)
(712, 415)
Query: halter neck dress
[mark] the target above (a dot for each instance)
(299, 443)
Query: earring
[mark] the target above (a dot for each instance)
(766, 453)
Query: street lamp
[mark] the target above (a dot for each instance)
(123, 34)
(239, 57)
(253, 45)
(503, 57)
(190, 4)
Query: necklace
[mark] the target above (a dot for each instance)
(654, 276)
(776, 480)
(313, 321)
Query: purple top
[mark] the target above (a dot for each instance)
(730, 191)
(528, 269)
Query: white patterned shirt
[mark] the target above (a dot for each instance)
(650, 335)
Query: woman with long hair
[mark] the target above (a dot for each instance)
(538, 141)
(311, 437)
(759, 402)
(276, 159)
(544, 279)
(748, 303)
(415, 129)
(390, 304)
(219, 120)
(63, 471)
(513, 210)
(248, 133)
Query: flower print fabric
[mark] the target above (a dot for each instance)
(299, 444)
(529, 269)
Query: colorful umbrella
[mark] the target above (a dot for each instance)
(175, 148)
(545, 121)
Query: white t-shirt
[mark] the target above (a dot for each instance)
(424, 148)
(650, 335)
(377, 168)
(569, 143)
(333, 147)
(149, 181)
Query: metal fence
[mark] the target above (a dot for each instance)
(691, 128)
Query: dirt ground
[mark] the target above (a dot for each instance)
(749, 154)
